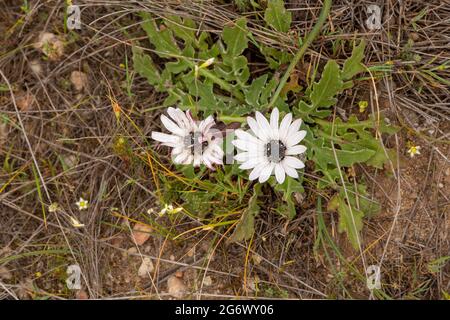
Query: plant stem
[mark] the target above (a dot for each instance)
(232, 119)
(309, 39)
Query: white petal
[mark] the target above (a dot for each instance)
(294, 127)
(206, 160)
(179, 149)
(251, 163)
(216, 149)
(279, 173)
(293, 162)
(184, 119)
(243, 135)
(289, 170)
(253, 124)
(164, 137)
(257, 170)
(179, 159)
(206, 124)
(298, 149)
(242, 157)
(274, 117)
(191, 120)
(266, 172)
(284, 127)
(175, 115)
(197, 160)
(172, 127)
(263, 125)
(215, 159)
(248, 146)
(295, 138)
(213, 155)
(189, 159)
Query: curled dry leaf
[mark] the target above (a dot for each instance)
(81, 295)
(79, 80)
(145, 268)
(141, 233)
(207, 281)
(25, 101)
(176, 287)
(5, 274)
(51, 45)
(36, 67)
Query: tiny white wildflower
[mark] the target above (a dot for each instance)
(271, 148)
(192, 142)
(413, 150)
(169, 209)
(82, 204)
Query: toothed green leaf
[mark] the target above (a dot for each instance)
(350, 219)
(235, 38)
(324, 92)
(144, 65)
(353, 65)
(277, 16)
(246, 225)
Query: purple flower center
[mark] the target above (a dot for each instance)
(275, 150)
(192, 141)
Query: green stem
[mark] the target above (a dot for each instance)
(309, 39)
(225, 118)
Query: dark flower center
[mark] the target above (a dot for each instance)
(275, 150)
(192, 141)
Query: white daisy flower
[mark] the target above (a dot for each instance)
(271, 148)
(193, 142)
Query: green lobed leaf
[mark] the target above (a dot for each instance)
(288, 188)
(353, 65)
(277, 16)
(235, 38)
(163, 40)
(330, 84)
(350, 219)
(144, 65)
(246, 226)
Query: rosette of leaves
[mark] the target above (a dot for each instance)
(171, 64)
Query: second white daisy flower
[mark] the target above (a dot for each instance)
(271, 148)
(192, 142)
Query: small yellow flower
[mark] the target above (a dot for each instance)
(122, 66)
(76, 223)
(413, 150)
(53, 207)
(38, 274)
(362, 106)
(82, 204)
